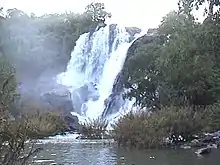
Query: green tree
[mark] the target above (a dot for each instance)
(97, 12)
(183, 69)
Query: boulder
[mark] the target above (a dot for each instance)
(203, 151)
(72, 122)
(83, 94)
(58, 99)
(197, 143)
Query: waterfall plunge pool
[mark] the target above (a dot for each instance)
(69, 151)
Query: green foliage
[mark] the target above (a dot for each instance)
(212, 114)
(145, 130)
(13, 134)
(44, 124)
(94, 129)
(183, 69)
(8, 85)
(97, 12)
(13, 137)
(177, 77)
(145, 77)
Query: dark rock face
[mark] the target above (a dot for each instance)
(96, 28)
(146, 39)
(58, 99)
(203, 151)
(72, 122)
(204, 143)
(81, 95)
(113, 104)
(115, 100)
(132, 31)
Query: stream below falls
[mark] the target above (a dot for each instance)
(82, 152)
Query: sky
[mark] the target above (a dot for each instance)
(141, 13)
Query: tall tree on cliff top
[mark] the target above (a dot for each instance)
(97, 12)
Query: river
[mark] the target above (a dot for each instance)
(74, 152)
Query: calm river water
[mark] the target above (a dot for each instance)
(73, 152)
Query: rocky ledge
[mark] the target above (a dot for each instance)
(204, 143)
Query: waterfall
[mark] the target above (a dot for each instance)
(95, 63)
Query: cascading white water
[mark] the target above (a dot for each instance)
(95, 63)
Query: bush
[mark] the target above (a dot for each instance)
(211, 118)
(94, 129)
(13, 149)
(13, 137)
(44, 124)
(175, 123)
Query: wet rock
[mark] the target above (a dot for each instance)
(132, 31)
(203, 151)
(100, 25)
(215, 135)
(93, 29)
(213, 146)
(196, 143)
(59, 99)
(185, 147)
(72, 122)
(217, 142)
(83, 94)
(208, 139)
(112, 104)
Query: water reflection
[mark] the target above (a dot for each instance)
(167, 157)
(77, 154)
(97, 154)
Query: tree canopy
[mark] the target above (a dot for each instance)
(182, 69)
(44, 43)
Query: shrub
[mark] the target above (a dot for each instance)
(13, 149)
(94, 129)
(211, 118)
(44, 124)
(13, 137)
(149, 131)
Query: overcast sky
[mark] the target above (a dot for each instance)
(141, 13)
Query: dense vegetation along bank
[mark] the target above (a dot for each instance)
(174, 73)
